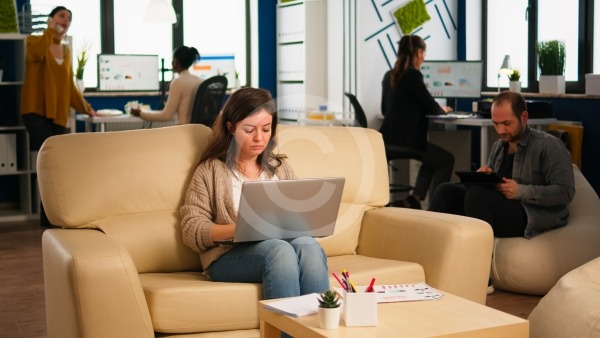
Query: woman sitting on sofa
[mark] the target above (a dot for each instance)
(240, 149)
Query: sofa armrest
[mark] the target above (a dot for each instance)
(92, 288)
(455, 251)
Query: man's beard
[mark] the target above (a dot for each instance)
(513, 138)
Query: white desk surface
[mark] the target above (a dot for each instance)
(108, 118)
(484, 124)
(103, 120)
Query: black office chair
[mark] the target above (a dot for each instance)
(391, 152)
(360, 117)
(209, 100)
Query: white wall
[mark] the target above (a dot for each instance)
(362, 40)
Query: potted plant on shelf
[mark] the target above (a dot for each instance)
(514, 81)
(329, 309)
(551, 60)
(81, 61)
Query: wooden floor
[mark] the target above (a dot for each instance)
(22, 313)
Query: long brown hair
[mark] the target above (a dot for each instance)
(408, 47)
(241, 104)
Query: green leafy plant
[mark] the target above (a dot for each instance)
(81, 61)
(329, 299)
(8, 17)
(412, 15)
(515, 75)
(551, 57)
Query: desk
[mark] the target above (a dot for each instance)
(327, 119)
(101, 121)
(484, 125)
(450, 316)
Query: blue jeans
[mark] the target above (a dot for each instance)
(285, 269)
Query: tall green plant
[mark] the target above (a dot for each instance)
(551, 57)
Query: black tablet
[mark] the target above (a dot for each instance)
(482, 178)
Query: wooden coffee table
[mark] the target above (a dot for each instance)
(450, 316)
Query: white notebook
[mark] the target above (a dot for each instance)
(296, 306)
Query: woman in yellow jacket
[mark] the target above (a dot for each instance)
(48, 90)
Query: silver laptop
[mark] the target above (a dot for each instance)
(287, 209)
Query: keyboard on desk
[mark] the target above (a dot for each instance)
(454, 115)
(461, 114)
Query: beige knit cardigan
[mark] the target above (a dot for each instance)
(208, 202)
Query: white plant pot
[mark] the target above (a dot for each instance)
(552, 84)
(514, 86)
(329, 318)
(80, 85)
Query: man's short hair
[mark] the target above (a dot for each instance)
(516, 101)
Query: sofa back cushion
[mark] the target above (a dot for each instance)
(354, 153)
(129, 184)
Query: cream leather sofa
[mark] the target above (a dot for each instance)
(533, 266)
(119, 268)
(571, 308)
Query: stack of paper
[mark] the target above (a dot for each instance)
(296, 306)
(401, 292)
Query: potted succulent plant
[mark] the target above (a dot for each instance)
(329, 309)
(551, 60)
(514, 81)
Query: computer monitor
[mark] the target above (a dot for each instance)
(124, 72)
(210, 65)
(453, 79)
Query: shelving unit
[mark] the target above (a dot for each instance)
(17, 184)
(301, 57)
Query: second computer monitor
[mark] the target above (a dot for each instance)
(453, 79)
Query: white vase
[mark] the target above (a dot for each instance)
(237, 83)
(329, 318)
(514, 86)
(80, 85)
(552, 84)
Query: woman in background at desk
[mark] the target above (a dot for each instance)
(182, 90)
(48, 90)
(405, 104)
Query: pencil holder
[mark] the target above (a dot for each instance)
(360, 309)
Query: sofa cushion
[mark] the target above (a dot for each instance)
(386, 271)
(138, 156)
(354, 153)
(188, 302)
(346, 232)
(571, 308)
(153, 239)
